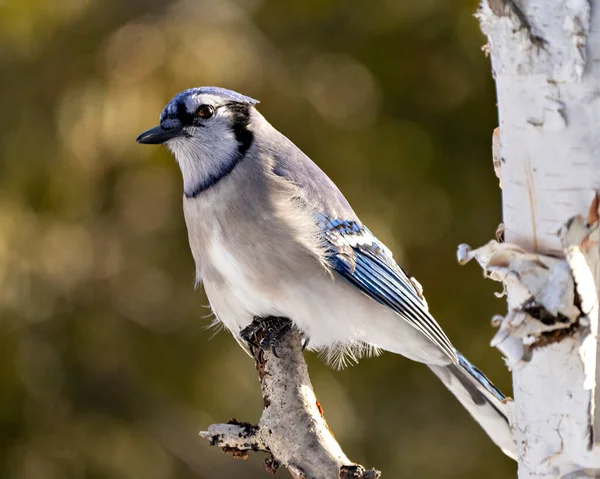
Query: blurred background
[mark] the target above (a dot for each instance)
(107, 369)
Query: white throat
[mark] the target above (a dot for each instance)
(203, 163)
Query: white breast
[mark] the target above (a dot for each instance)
(234, 292)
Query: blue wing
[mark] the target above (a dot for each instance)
(365, 262)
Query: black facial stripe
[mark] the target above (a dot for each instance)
(183, 115)
(214, 178)
(240, 113)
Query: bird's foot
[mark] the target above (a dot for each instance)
(266, 333)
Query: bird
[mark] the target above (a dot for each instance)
(276, 245)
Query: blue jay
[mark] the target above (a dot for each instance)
(273, 237)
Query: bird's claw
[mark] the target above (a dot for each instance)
(266, 333)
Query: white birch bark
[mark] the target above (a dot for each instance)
(546, 63)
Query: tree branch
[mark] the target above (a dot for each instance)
(292, 429)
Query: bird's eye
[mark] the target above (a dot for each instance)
(205, 111)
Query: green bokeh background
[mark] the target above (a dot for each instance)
(107, 369)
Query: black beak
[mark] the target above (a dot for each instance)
(158, 135)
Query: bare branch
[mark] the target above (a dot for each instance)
(292, 429)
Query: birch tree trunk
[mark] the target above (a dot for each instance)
(546, 63)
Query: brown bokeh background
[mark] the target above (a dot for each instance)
(107, 369)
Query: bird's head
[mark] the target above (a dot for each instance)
(208, 130)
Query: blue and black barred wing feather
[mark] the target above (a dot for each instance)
(481, 378)
(365, 262)
(357, 256)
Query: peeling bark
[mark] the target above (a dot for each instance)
(546, 63)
